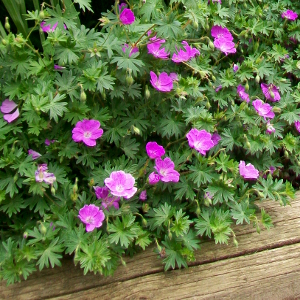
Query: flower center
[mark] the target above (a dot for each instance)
(41, 175)
(87, 134)
(163, 172)
(89, 220)
(119, 188)
(198, 145)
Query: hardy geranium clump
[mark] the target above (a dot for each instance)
(156, 122)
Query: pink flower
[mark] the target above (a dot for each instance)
(49, 28)
(102, 193)
(270, 91)
(165, 170)
(225, 45)
(270, 128)
(7, 108)
(297, 125)
(185, 55)
(92, 216)
(121, 184)
(248, 171)
(57, 67)
(156, 50)
(235, 68)
(218, 88)
(215, 138)
(241, 91)
(219, 32)
(42, 174)
(87, 131)
(290, 15)
(143, 195)
(200, 140)
(153, 178)
(154, 150)
(127, 17)
(164, 83)
(132, 50)
(34, 154)
(263, 109)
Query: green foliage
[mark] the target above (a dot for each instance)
(72, 72)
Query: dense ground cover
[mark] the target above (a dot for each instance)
(163, 124)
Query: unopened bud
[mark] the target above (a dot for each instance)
(6, 24)
(195, 25)
(129, 80)
(25, 235)
(243, 105)
(207, 105)
(207, 201)
(247, 86)
(248, 145)
(213, 78)
(202, 74)
(147, 92)
(82, 96)
(52, 190)
(136, 130)
(74, 197)
(75, 186)
(211, 45)
(92, 182)
(145, 207)
(286, 154)
(257, 79)
(144, 221)
(103, 94)
(4, 42)
(198, 211)
(170, 236)
(271, 94)
(276, 109)
(42, 229)
(255, 47)
(42, 14)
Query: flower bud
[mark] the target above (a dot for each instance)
(257, 229)
(129, 80)
(170, 236)
(75, 186)
(207, 105)
(276, 109)
(248, 145)
(144, 221)
(202, 74)
(247, 86)
(255, 47)
(271, 94)
(213, 78)
(52, 189)
(286, 154)
(25, 235)
(82, 96)
(42, 229)
(207, 201)
(4, 42)
(145, 207)
(211, 45)
(6, 25)
(257, 79)
(42, 14)
(74, 197)
(243, 104)
(92, 182)
(195, 25)
(103, 94)
(136, 130)
(147, 92)
(198, 211)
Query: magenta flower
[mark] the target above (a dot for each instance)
(165, 170)
(121, 184)
(57, 67)
(102, 193)
(241, 91)
(297, 125)
(270, 128)
(218, 32)
(248, 171)
(7, 108)
(92, 216)
(218, 88)
(270, 91)
(185, 55)
(49, 28)
(200, 140)
(127, 17)
(154, 150)
(132, 50)
(153, 178)
(215, 138)
(87, 131)
(42, 174)
(143, 195)
(164, 83)
(235, 68)
(48, 142)
(290, 15)
(225, 45)
(263, 109)
(35, 155)
(156, 50)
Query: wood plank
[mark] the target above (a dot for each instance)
(270, 274)
(69, 279)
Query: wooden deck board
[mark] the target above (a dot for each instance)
(215, 264)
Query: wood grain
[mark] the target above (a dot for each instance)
(69, 281)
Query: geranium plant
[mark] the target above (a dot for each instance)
(164, 125)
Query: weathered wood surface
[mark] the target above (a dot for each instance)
(264, 266)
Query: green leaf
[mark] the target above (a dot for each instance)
(84, 4)
(56, 107)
